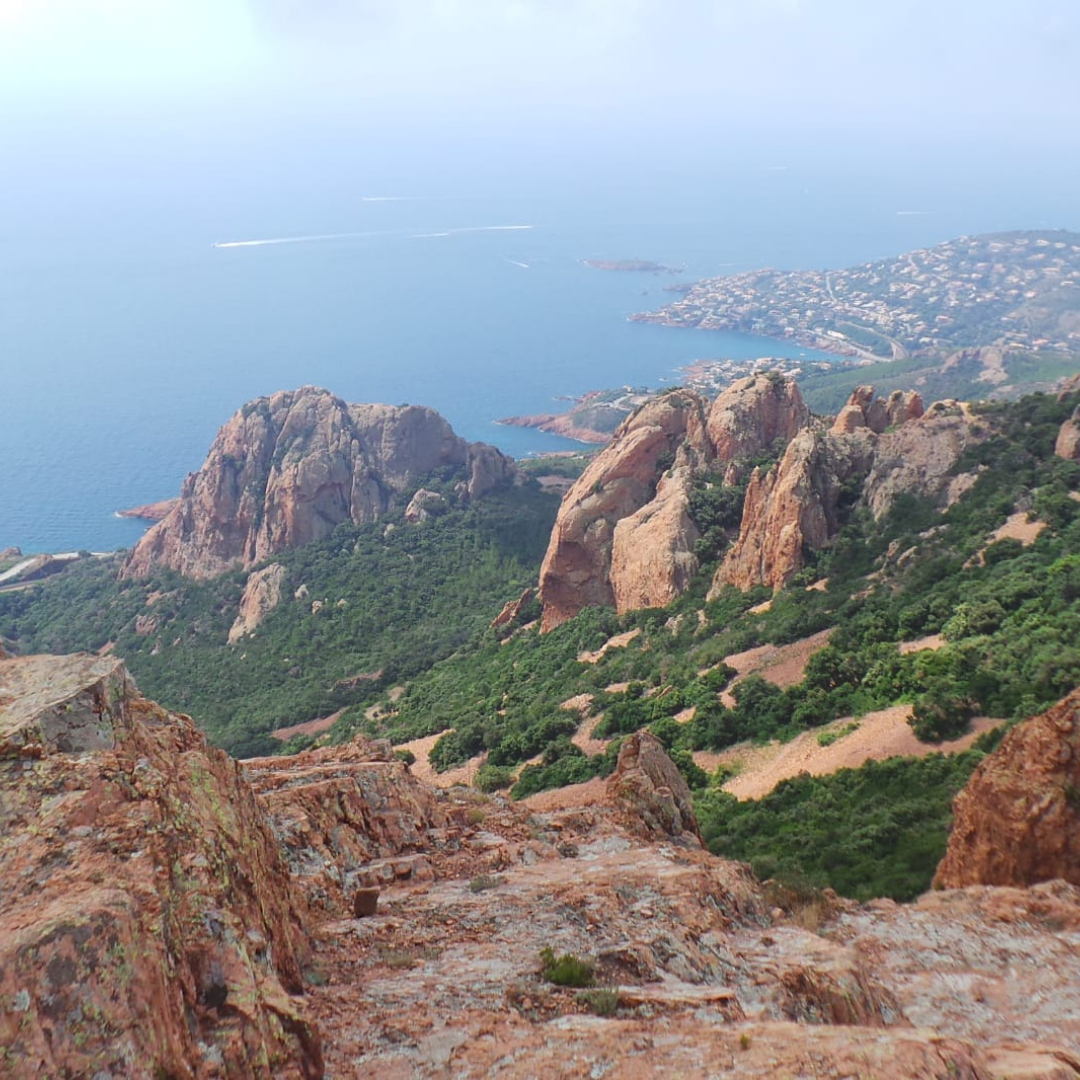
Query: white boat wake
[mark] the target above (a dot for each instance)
(304, 239)
(471, 229)
(355, 235)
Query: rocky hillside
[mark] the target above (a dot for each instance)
(287, 469)
(627, 535)
(168, 913)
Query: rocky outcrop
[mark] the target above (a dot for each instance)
(154, 511)
(621, 480)
(148, 926)
(346, 818)
(287, 469)
(918, 457)
(512, 610)
(1067, 445)
(792, 509)
(863, 410)
(753, 414)
(262, 594)
(1017, 821)
(624, 535)
(423, 505)
(874, 451)
(652, 550)
(647, 783)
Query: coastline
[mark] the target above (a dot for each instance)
(818, 342)
(558, 424)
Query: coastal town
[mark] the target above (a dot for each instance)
(1019, 290)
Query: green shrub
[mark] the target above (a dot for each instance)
(491, 778)
(483, 882)
(565, 970)
(603, 1001)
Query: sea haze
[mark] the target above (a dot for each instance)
(128, 337)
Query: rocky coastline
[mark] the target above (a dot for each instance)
(154, 511)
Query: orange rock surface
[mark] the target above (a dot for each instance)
(148, 925)
(1017, 820)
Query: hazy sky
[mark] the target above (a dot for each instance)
(912, 66)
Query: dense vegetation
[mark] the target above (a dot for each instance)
(408, 608)
(363, 609)
(876, 831)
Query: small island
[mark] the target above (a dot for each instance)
(640, 266)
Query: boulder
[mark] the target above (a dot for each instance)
(262, 594)
(647, 784)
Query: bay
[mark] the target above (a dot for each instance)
(128, 338)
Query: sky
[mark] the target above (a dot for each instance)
(913, 67)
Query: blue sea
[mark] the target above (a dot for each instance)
(127, 338)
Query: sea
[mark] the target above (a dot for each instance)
(138, 312)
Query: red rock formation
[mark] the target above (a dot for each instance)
(754, 413)
(863, 410)
(1017, 821)
(652, 550)
(792, 508)
(1068, 439)
(620, 481)
(918, 457)
(512, 609)
(887, 447)
(624, 536)
(287, 469)
(647, 784)
(154, 511)
(148, 926)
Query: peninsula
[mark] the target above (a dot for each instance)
(1015, 290)
(592, 418)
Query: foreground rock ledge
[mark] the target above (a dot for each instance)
(148, 925)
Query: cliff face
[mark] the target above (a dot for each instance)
(622, 480)
(752, 414)
(148, 925)
(286, 469)
(875, 450)
(791, 508)
(1017, 821)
